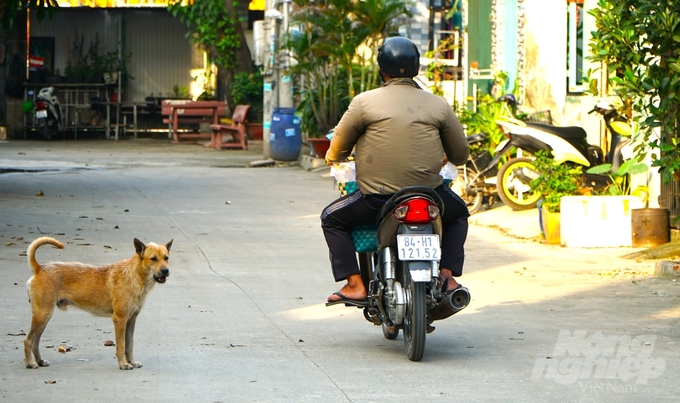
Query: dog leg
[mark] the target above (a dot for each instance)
(119, 326)
(129, 340)
(32, 340)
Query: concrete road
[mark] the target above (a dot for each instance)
(242, 316)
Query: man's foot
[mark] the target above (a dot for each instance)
(450, 282)
(345, 294)
(363, 302)
(354, 290)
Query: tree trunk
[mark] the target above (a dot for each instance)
(244, 61)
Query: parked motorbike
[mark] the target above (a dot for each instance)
(48, 114)
(476, 180)
(568, 145)
(402, 274)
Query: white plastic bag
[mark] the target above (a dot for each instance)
(344, 172)
(449, 171)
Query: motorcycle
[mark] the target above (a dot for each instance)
(401, 273)
(568, 145)
(48, 114)
(476, 180)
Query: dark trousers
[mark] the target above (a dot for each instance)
(347, 212)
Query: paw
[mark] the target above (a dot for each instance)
(31, 365)
(44, 363)
(125, 366)
(136, 364)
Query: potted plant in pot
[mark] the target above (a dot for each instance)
(602, 218)
(110, 65)
(556, 180)
(649, 226)
(248, 89)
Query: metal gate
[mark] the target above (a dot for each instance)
(670, 192)
(670, 197)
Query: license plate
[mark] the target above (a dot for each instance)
(418, 247)
(41, 114)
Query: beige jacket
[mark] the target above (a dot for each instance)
(401, 134)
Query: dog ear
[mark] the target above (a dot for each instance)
(139, 247)
(168, 245)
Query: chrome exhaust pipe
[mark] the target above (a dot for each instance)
(451, 304)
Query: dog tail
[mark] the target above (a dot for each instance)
(35, 245)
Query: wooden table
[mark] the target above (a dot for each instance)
(187, 111)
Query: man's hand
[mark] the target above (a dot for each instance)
(331, 163)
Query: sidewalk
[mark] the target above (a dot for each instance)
(24, 154)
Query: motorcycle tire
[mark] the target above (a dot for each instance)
(473, 199)
(48, 130)
(514, 192)
(45, 133)
(415, 318)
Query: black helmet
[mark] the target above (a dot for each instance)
(399, 57)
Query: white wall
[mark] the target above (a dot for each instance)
(546, 66)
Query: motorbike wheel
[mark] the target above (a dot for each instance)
(48, 130)
(390, 334)
(415, 318)
(515, 192)
(473, 199)
(44, 132)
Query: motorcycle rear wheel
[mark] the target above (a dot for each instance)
(415, 318)
(48, 130)
(514, 192)
(473, 199)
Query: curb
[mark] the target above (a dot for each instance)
(310, 163)
(667, 268)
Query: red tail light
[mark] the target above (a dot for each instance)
(40, 106)
(416, 211)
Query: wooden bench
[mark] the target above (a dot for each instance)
(176, 112)
(237, 130)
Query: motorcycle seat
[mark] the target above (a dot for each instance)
(565, 132)
(476, 138)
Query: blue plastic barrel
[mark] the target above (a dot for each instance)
(285, 137)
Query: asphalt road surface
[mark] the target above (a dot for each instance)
(242, 316)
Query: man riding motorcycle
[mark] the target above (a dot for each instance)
(401, 134)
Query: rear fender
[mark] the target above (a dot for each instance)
(421, 272)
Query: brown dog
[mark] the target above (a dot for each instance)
(116, 290)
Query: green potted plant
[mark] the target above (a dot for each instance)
(248, 89)
(179, 92)
(602, 219)
(555, 181)
(109, 65)
(649, 226)
(620, 178)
